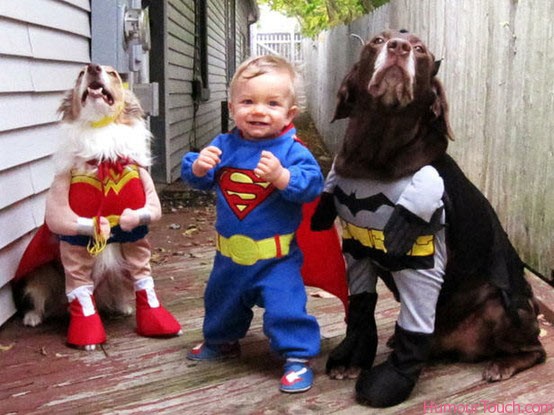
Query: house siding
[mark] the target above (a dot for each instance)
(184, 126)
(44, 44)
(242, 34)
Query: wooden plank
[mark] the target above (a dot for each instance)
(10, 257)
(17, 107)
(82, 4)
(176, 45)
(54, 76)
(7, 306)
(57, 15)
(28, 144)
(15, 74)
(181, 29)
(16, 185)
(21, 218)
(14, 37)
(19, 74)
(26, 180)
(56, 45)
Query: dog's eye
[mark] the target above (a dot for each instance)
(81, 73)
(378, 40)
(419, 49)
(113, 73)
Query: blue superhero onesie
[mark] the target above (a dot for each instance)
(258, 261)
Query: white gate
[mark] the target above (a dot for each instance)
(288, 45)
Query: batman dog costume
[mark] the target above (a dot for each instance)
(410, 216)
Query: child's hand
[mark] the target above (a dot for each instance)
(207, 160)
(129, 219)
(105, 229)
(269, 168)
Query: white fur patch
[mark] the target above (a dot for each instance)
(82, 143)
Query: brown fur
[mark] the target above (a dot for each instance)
(397, 124)
(419, 127)
(40, 295)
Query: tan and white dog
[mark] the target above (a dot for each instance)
(99, 205)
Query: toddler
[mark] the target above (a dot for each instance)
(262, 175)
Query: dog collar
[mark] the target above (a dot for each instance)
(107, 120)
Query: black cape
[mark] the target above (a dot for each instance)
(478, 247)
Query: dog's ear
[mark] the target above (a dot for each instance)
(436, 66)
(67, 107)
(440, 109)
(346, 96)
(132, 105)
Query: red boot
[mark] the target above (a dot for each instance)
(153, 320)
(85, 327)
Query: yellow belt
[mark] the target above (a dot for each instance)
(374, 238)
(246, 251)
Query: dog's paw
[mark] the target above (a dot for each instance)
(32, 318)
(341, 372)
(337, 373)
(497, 371)
(126, 310)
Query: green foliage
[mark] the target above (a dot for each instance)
(317, 15)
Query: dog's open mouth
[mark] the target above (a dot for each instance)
(97, 90)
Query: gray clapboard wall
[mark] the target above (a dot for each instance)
(44, 44)
(186, 125)
(497, 71)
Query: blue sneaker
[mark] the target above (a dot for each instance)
(213, 352)
(298, 377)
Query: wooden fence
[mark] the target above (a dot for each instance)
(497, 65)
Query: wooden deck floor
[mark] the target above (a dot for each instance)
(134, 375)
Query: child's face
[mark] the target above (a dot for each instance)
(263, 106)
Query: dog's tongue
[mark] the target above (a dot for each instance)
(95, 93)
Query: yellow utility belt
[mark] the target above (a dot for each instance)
(374, 238)
(246, 251)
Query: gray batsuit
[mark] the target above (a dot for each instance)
(365, 207)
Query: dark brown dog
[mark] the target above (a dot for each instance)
(398, 123)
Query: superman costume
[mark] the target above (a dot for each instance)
(258, 261)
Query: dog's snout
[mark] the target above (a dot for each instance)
(399, 46)
(94, 69)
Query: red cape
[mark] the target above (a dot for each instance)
(324, 265)
(43, 248)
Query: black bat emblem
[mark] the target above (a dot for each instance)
(355, 205)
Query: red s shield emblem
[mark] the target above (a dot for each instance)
(243, 190)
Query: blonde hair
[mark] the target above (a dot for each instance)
(260, 65)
